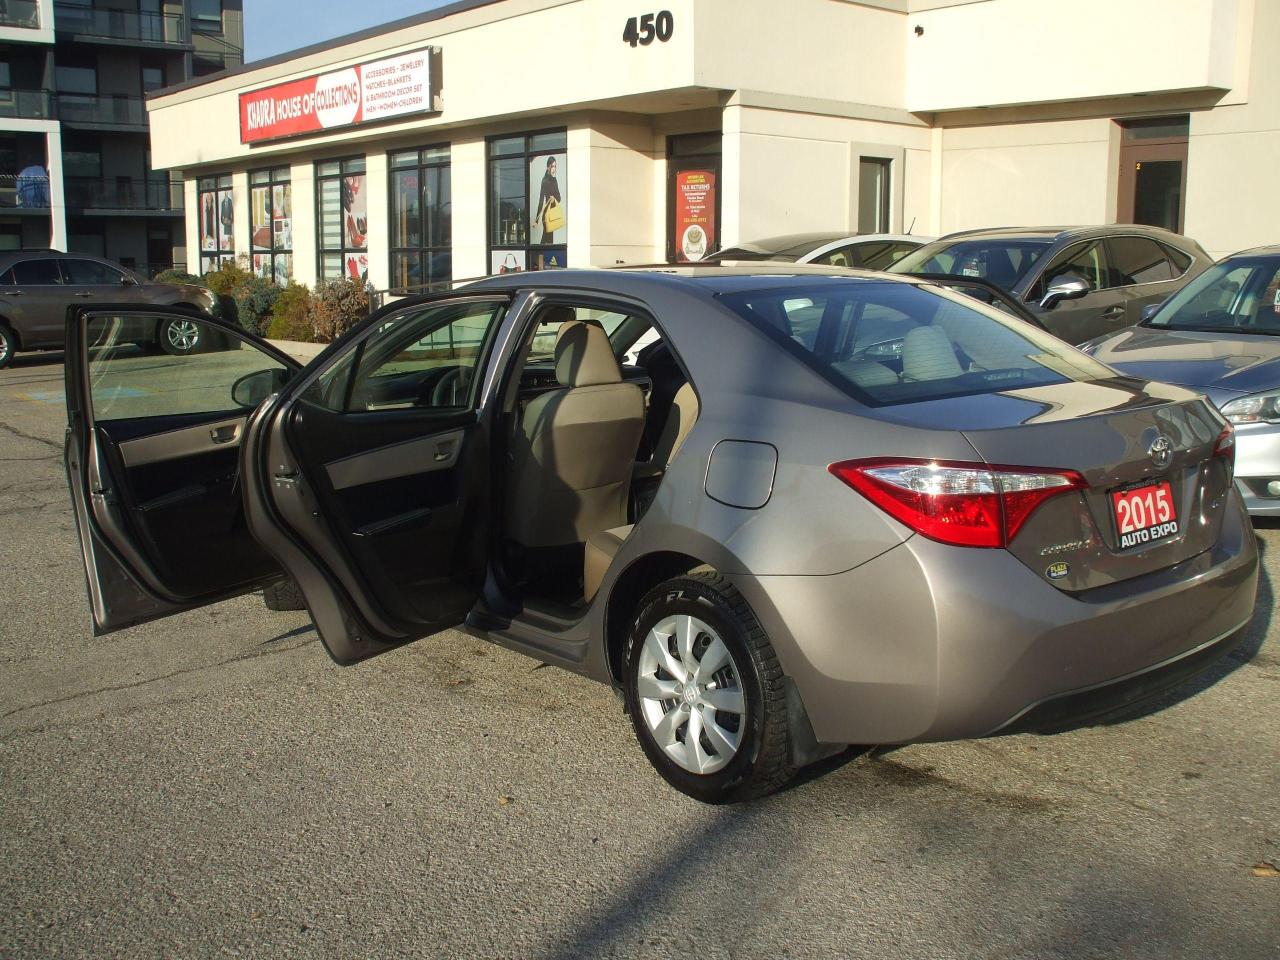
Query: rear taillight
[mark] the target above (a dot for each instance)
(966, 504)
(1225, 447)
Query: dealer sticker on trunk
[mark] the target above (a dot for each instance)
(1144, 514)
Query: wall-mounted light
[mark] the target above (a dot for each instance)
(919, 30)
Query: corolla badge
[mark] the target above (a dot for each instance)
(1161, 452)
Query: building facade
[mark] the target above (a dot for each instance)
(520, 134)
(75, 157)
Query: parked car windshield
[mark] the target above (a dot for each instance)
(887, 342)
(1003, 261)
(1241, 294)
(785, 249)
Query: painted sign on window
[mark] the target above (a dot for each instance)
(364, 93)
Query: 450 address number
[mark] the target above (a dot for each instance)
(645, 29)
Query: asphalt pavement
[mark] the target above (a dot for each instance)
(213, 785)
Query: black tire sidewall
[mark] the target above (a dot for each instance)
(8, 346)
(704, 602)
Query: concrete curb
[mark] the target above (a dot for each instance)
(298, 350)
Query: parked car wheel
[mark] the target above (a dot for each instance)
(283, 595)
(8, 346)
(706, 693)
(180, 336)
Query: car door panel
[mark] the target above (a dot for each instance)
(158, 495)
(381, 514)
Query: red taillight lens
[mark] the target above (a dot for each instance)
(1225, 447)
(965, 504)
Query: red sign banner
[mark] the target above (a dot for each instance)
(695, 220)
(377, 90)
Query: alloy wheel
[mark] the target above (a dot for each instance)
(183, 335)
(690, 694)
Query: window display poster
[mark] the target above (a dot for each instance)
(226, 221)
(548, 223)
(282, 215)
(208, 221)
(507, 261)
(549, 260)
(284, 267)
(261, 204)
(695, 217)
(262, 265)
(357, 266)
(355, 212)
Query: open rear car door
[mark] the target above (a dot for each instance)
(365, 477)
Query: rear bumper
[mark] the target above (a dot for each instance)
(930, 642)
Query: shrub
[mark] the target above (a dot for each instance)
(178, 276)
(339, 306)
(291, 316)
(254, 300)
(225, 283)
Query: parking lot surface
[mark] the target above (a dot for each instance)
(213, 785)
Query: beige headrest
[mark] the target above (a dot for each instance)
(558, 314)
(583, 356)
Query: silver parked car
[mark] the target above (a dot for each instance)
(1220, 334)
(868, 251)
(769, 543)
(37, 287)
(1081, 282)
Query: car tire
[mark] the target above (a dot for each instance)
(179, 337)
(283, 595)
(8, 346)
(742, 750)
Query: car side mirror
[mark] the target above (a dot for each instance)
(1149, 311)
(1064, 287)
(128, 281)
(251, 389)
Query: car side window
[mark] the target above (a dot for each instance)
(1081, 261)
(127, 382)
(37, 273)
(1180, 259)
(839, 257)
(881, 258)
(90, 272)
(428, 357)
(1135, 260)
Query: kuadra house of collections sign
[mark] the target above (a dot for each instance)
(378, 90)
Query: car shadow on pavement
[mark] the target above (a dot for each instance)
(46, 359)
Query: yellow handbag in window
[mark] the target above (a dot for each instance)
(553, 219)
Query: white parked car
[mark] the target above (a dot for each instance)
(868, 251)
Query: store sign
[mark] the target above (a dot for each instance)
(695, 220)
(367, 92)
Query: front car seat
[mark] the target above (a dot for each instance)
(576, 447)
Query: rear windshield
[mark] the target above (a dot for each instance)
(1002, 261)
(888, 343)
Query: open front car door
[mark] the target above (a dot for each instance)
(152, 457)
(368, 478)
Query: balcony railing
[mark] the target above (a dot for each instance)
(116, 110)
(159, 194)
(121, 24)
(28, 190)
(20, 13)
(26, 104)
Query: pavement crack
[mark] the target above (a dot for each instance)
(9, 428)
(114, 688)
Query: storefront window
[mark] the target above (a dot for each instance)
(343, 219)
(217, 222)
(528, 202)
(271, 203)
(421, 218)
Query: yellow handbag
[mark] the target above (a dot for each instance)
(553, 219)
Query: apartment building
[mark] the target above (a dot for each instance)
(75, 156)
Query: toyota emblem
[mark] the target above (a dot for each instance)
(1161, 452)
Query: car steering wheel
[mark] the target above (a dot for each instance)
(447, 389)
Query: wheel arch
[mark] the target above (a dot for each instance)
(640, 576)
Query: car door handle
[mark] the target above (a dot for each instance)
(1112, 312)
(12, 293)
(84, 294)
(225, 434)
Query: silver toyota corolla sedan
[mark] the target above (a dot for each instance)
(769, 542)
(1221, 335)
